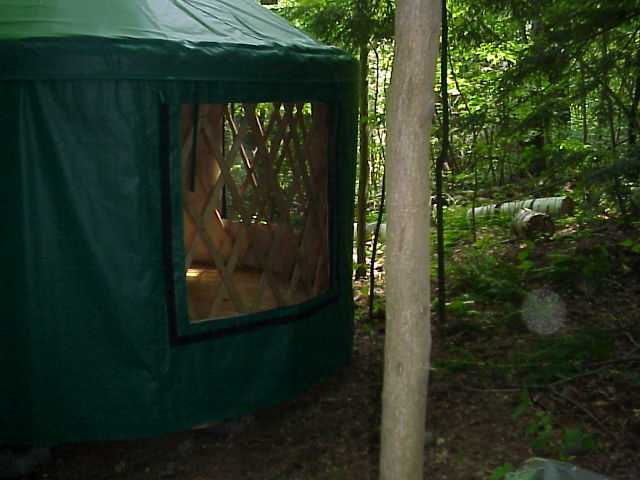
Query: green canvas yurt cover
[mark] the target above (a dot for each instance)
(95, 337)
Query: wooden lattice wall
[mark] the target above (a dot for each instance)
(255, 206)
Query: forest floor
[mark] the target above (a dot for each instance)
(499, 392)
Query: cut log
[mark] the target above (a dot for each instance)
(550, 205)
(528, 224)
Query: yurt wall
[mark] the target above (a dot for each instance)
(177, 213)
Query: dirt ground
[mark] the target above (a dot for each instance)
(479, 418)
(332, 432)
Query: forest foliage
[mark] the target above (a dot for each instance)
(543, 105)
(546, 93)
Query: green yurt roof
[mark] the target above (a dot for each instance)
(157, 39)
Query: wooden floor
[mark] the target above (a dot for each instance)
(204, 285)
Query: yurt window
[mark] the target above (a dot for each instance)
(255, 206)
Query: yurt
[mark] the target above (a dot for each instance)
(176, 204)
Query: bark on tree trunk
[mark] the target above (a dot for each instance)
(583, 105)
(539, 140)
(408, 338)
(440, 163)
(363, 178)
(633, 114)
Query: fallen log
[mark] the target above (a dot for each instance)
(528, 224)
(550, 205)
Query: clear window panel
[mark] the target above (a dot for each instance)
(255, 206)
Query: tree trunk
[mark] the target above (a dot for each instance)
(633, 114)
(440, 163)
(374, 250)
(583, 105)
(539, 140)
(408, 337)
(363, 178)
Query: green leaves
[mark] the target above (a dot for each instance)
(501, 472)
(575, 441)
(344, 23)
(631, 245)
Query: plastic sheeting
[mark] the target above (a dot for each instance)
(92, 345)
(542, 469)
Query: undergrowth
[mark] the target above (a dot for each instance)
(487, 341)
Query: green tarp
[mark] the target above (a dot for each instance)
(160, 39)
(92, 343)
